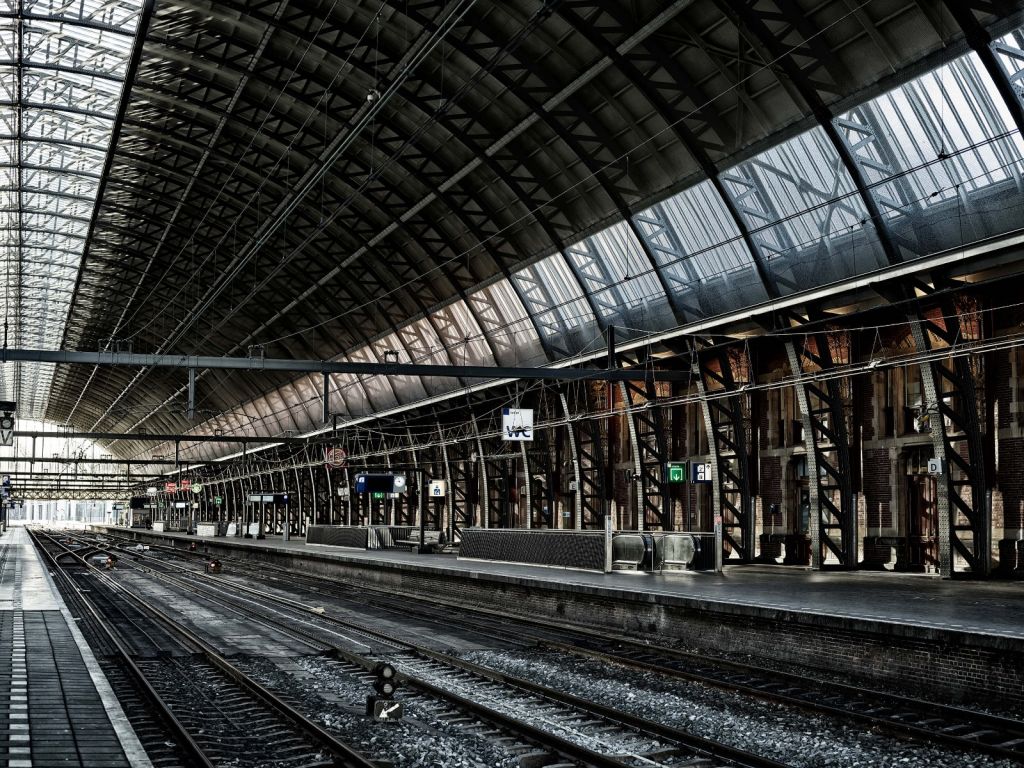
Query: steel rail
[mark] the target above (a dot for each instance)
(344, 754)
(164, 711)
(1014, 729)
(706, 747)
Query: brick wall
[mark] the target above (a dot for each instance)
(1011, 482)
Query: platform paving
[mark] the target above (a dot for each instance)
(989, 608)
(56, 708)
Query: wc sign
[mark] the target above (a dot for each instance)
(7, 410)
(517, 424)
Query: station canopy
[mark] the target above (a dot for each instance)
(462, 182)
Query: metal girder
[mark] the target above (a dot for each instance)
(576, 461)
(46, 494)
(323, 366)
(721, 404)
(949, 385)
(589, 444)
(148, 437)
(51, 460)
(833, 522)
(652, 454)
(989, 51)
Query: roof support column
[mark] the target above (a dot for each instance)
(987, 50)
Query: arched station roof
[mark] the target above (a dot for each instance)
(480, 182)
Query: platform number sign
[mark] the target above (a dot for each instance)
(701, 472)
(7, 410)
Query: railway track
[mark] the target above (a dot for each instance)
(902, 716)
(585, 732)
(217, 714)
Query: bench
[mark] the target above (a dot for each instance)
(432, 542)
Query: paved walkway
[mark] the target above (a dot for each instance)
(56, 708)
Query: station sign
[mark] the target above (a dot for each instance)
(336, 458)
(437, 489)
(268, 498)
(701, 472)
(151, 490)
(185, 484)
(170, 487)
(517, 424)
(380, 483)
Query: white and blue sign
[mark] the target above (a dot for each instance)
(701, 472)
(517, 424)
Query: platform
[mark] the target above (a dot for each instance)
(993, 609)
(57, 707)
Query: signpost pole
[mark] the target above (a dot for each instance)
(424, 500)
(287, 520)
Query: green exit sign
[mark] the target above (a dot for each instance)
(377, 495)
(217, 500)
(676, 472)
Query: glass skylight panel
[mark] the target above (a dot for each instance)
(67, 127)
(70, 90)
(57, 113)
(555, 299)
(377, 387)
(804, 213)
(423, 346)
(461, 335)
(390, 349)
(507, 324)
(931, 146)
(699, 249)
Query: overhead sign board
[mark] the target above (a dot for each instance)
(7, 409)
(380, 483)
(185, 484)
(170, 487)
(268, 498)
(517, 424)
(151, 490)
